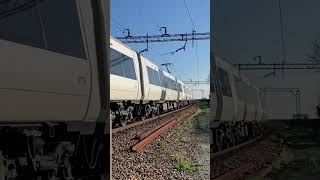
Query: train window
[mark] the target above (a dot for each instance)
(61, 27)
(116, 64)
(172, 84)
(150, 75)
(162, 80)
(167, 82)
(51, 24)
(122, 65)
(179, 87)
(128, 68)
(157, 78)
(153, 76)
(17, 14)
(225, 83)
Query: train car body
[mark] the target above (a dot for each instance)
(139, 88)
(236, 106)
(52, 90)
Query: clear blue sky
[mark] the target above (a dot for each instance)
(147, 16)
(248, 28)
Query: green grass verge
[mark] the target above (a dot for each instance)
(183, 164)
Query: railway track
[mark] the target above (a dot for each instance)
(126, 162)
(235, 148)
(234, 171)
(134, 124)
(148, 137)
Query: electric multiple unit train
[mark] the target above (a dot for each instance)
(236, 104)
(139, 88)
(53, 90)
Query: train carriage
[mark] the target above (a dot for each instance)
(53, 90)
(236, 104)
(139, 87)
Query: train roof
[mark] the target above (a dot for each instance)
(231, 68)
(150, 63)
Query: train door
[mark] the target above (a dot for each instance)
(178, 87)
(233, 82)
(163, 85)
(45, 73)
(154, 84)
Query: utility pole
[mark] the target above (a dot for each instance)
(283, 48)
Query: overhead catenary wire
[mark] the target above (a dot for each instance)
(193, 25)
(121, 28)
(189, 13)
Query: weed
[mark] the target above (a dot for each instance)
(162, 144)
(185, 165)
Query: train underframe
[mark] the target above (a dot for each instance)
(52, 151)
(126, 111)
(229, 134)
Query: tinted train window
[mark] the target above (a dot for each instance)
(21, 25)
(225, 83)
(128, 68)
(61, 27)
(163, 80)
(122, 65)
(153, 76)
(47, 24)
(166, 82)
(173, 85)
(179, 87)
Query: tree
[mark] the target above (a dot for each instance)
(315, 52)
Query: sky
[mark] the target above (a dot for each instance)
(144, 17)
(249, 28)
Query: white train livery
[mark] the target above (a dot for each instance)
(236, 104)
(139, 88)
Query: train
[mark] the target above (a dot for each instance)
(237, 106)
(54, 90)
(139, 88)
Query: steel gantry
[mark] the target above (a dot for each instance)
(165, 37)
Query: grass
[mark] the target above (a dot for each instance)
(301, 160)
(183, 164)
(162, 144)
(285, 158)
(204, 105)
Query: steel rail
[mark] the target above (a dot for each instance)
(154, 133)
(119, 129)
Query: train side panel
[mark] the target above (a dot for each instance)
(171, 92)
(44, 77)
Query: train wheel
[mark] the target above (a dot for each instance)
(123, 121)
(143, 118)
(219, 139)
(148, 110)
(229, 138)
(112, 117)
